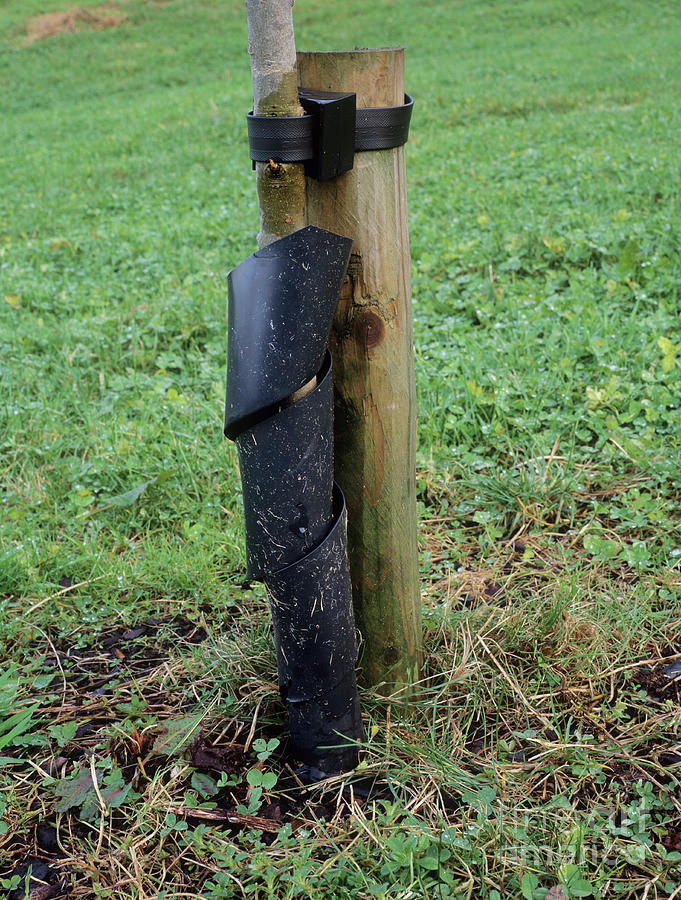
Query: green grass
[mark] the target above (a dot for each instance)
(545, 219)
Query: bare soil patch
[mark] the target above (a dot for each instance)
(47, 25)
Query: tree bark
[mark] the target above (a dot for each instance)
(374, 371)
(271, 47)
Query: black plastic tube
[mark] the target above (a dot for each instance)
(286, 465)
(317, 650)
(281, 306)
(282, 301)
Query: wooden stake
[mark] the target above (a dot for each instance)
(374, 370)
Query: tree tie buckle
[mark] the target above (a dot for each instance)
(332, 130)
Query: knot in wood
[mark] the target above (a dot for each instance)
(368, 330)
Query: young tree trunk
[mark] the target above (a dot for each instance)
(374, 370)
(271, 46)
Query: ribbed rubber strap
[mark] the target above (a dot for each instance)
(289, 138)
(282, 138)
(383, 127)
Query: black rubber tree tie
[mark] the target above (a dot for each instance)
(282, 301)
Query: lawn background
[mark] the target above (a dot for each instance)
(544, 180)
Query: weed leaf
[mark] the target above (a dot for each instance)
(114, 791)
(178, 733)
(74, 791)
(129, 497)
(204, 784)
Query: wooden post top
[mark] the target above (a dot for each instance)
(375, 75)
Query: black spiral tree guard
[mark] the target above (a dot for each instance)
(282, 301)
